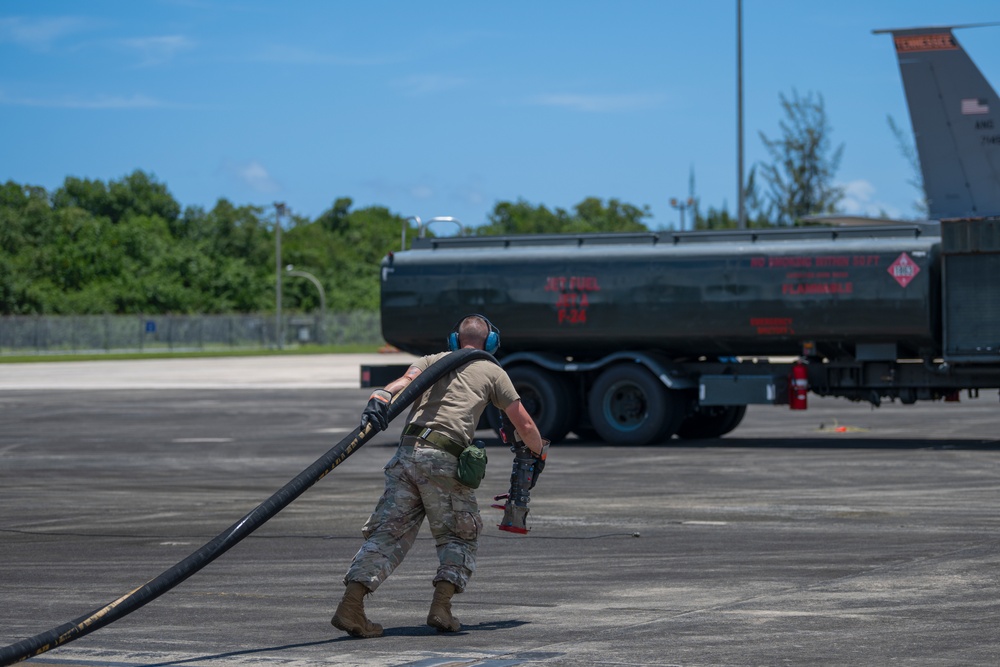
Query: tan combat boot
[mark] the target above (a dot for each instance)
(350, 615)
(440, 614)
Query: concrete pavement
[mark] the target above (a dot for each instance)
(792, 541)
(321, 371)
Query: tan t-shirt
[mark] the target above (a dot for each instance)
(454, 404)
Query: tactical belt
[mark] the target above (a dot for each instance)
(435, 438)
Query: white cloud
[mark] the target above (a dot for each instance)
(38, 34)
(599, 103)
(858, 194)
(254, 175)
(859, 199)
(91, 102)
(158, 50)
(421, 192)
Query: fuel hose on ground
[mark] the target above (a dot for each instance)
(135, 599)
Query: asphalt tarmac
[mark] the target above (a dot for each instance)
(840, 535)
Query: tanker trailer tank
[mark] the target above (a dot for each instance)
(683, 295)
(634, 338)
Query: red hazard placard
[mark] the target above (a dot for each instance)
(904, 269)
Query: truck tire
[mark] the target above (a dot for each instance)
(630, 406)
(549, 399)
(711, 421)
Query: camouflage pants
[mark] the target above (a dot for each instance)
(420, 481)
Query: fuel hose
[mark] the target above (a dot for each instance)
(229, 538)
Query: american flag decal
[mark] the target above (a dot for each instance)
(973, 106)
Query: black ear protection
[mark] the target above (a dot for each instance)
(492, 338)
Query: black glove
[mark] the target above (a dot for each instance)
(539, 466)
(376, 412)
(539, 462)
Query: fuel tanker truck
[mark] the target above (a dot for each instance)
(638, 337)
(635, 338)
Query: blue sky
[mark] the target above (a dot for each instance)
(445, 108)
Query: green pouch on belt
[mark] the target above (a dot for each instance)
(472, 464)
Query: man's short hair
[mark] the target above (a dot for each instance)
(473, 330)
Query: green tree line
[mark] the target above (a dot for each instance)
(128, 247)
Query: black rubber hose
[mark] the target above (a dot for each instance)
(129, 602)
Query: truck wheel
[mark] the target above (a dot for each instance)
(711, 421)
(630, 406)
(548, 398)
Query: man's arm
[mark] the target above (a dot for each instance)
(525, 426)
(399, 384)
(376, 412)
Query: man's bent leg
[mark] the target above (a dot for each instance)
(390, 531)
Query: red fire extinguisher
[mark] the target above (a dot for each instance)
(798, 387)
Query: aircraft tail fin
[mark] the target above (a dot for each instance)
(954, 112)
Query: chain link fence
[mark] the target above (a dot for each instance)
(72, 334)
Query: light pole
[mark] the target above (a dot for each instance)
(279, 211)
(682, 206)
(741, 214)
(322, 297)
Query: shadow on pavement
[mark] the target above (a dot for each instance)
(253, 651)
